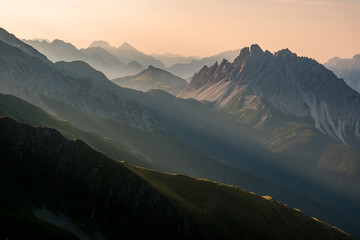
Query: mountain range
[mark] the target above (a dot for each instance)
(348, 69)
(290, 84)
(170, 59)
(125, 60)
(127, 53)
(240, 132)
(43, 85)
(97, 57)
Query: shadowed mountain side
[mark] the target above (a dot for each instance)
(152, 78)
(100, 198)
(215, 133)
(141, 148)
(67, 184)
(125, 143)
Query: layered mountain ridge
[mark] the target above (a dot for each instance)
(40, 84)
(99, 58)
(127, 53)
(294, 85)
(323, 170)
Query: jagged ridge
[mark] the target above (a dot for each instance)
(294, 85)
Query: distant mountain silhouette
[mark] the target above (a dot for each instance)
(153, 78)
(348, 69)
(97, 57)
(170, 59)
(127, 53)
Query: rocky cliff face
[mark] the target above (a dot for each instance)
(29, 78)
(294, 85)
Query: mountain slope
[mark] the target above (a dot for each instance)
(24, 112)
(293, 85)
(124, 143)
(134, 146)
(30, 79)
(98, 197)
(152, 78)
(11, 40)
(127, 53)
(348, 69)
(70, 183)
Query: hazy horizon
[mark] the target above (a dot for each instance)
(316, 29)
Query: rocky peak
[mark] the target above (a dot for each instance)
(255, 49)
(244, 55)
(285, 53)
(294, 85)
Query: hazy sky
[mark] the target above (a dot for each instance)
(319, 29)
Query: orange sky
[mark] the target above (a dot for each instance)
(319, 29)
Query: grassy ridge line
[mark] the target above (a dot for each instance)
(235, 211)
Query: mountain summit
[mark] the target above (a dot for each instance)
(293, 85)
